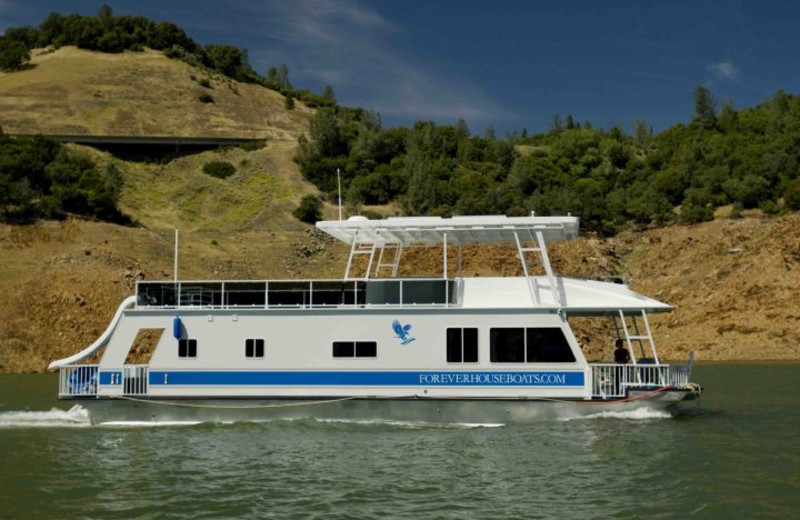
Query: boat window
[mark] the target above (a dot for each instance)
(424, 291)
(383, 292)
(548, 346)
(157, 294)
(254, 348)
(245, 294)
(532, 345)
(187, 348)
(355, 349)
(462, 345)
(294, 294)
(507, 345)
(200, 294)
(337, 293)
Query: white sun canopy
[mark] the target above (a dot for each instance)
(459, 230)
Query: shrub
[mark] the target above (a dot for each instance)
(288, 102)
(309, 210)
(791, 197)
(219, 169)
(204, 82)
(205, 97)
(252, 146)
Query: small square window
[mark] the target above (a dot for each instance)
(187, 348)
(254, 348)
(344, 349)
(355, 349)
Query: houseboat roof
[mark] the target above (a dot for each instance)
(458, 230)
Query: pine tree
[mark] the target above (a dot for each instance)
(705, 112)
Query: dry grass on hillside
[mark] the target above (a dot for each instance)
(735, 284)
(74, 91)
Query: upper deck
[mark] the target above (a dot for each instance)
(457, 230)
(371, 288)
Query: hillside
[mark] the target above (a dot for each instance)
(74, 91)
(734, 283)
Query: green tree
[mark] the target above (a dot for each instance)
(327, 93)
(105, 15)
(228, 60)
(14, 55)
(556, 125)
(282, 76)
(704, 109)
(642, 133)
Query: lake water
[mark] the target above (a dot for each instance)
(735, 454)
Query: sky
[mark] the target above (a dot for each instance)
(510, 64)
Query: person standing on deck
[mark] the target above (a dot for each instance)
(621, 354)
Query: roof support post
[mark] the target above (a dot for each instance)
(444, 254)
(548, 269)
(532, 286)
(350, 258)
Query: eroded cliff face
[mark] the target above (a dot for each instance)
(735, 284)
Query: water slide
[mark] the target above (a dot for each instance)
(100, 342)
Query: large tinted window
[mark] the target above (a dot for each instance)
(507, 345)
(548, 346)
(540, 345)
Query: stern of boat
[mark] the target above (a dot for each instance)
(652, 382)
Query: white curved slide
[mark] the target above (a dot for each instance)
(100, 342)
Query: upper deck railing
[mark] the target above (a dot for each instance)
(282, 294)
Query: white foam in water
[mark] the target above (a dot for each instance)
(412, 424)
(77, 416)
(147, 424)
(636, 415)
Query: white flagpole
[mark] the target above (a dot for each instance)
(339, 179)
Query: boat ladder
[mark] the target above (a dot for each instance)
(638, 331)
(535, 245)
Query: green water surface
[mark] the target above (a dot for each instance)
(735, 454)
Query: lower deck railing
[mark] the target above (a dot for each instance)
(83, 380)
(607, 380)
(78, 380)
(610, 380)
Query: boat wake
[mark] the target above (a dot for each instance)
(411, 425)
(75, 417)
(638, 414)
(147, 424)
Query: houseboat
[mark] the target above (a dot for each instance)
(374, 345)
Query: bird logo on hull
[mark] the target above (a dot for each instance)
(402, 333)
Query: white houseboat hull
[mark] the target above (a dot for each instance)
(471, 411)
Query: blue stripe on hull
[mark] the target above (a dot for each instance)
(322, 378)
(111, 378)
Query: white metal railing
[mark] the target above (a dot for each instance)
(78, 380)
(302, 294)
(134, 379)
(611, 380)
